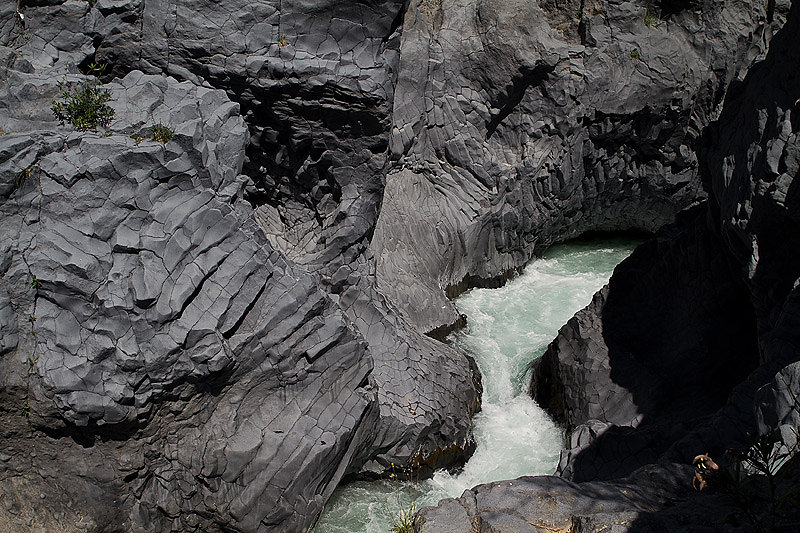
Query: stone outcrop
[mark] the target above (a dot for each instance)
(513, 129)
(160, 331)
(690, 349)
(660, 347)
(209, 334)
(156, 326)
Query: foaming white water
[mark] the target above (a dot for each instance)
(508, 328)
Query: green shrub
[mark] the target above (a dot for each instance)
(635, 54)
(162, 133)
(403, 522)
(84, 105)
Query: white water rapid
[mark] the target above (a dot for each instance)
(507, 329)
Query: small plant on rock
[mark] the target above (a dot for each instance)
(162, 133)
(635, 54)
(652, 16)
(403, 522)
(22, 177)
(84, 105)
(759, 475)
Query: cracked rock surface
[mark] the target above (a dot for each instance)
(164, 334)
(210, 333)
(690, 349)
(519, 124)
(161, 340)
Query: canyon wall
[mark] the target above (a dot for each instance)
(210, 333)
(690, 349)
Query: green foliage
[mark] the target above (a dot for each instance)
(95, 69)
(757, 481)
(635, 54)
(282, 42)
(35, 282)
(83, 105)
(22, 177)
(652, 16)
(162, 133)
(403, 522)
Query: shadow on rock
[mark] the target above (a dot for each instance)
(658, 348)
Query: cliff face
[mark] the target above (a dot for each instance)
(516, 126)
(698, 309)
(211, 333)
(690, 349)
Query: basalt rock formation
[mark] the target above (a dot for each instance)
(210, 333)
(690, 349)
(513, 129)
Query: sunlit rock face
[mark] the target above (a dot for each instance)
(210, 333)
(516, 125)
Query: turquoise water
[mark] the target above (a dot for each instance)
(508, 328)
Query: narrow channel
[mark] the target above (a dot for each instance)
(508, 328)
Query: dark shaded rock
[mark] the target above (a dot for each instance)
(656, 499)
(658, 348)
(641, 374)
(719, 302)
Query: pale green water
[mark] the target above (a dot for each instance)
(507, 329)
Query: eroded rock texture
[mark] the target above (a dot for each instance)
(513, 129)
(209, 334)
(211, 381)
(690, 347)
(173, 344)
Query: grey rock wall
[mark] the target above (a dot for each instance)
(153, 298)
(516, 126)
(210, 334)
(690, 349)
(213, 382)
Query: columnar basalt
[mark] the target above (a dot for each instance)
(691, 348)
(211, 333)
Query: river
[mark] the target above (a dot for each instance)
(507, 329)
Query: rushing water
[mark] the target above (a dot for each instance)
(508, 328)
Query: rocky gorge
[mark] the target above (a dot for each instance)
(211, 332)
